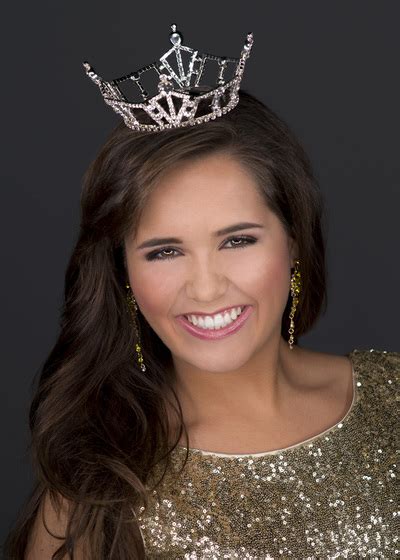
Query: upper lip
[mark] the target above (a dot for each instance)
(214, 312)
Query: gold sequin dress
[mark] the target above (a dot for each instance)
(332, 496)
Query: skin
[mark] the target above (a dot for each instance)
(247, 392)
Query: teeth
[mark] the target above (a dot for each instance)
(217, 321)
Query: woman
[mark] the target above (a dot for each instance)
(176, 416)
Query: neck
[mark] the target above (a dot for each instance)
(257, 386)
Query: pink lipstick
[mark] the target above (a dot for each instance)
(215, 334)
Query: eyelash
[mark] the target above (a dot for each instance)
(153, 256)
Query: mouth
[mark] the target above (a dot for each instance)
(221, 311)
(215, 327)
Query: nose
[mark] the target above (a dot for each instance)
(206, 281)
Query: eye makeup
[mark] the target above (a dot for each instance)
(245, 240)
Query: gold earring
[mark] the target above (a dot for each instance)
(133, 308)
(295, 286)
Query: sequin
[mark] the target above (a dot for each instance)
(331, 496)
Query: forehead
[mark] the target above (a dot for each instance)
(214, 185)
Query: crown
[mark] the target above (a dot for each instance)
(180, 91)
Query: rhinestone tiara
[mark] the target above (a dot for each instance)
(178, 98)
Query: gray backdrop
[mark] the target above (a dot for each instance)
(330, 69)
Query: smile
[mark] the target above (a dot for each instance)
(216, 326)
(217, 321)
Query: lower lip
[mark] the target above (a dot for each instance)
(214, 334)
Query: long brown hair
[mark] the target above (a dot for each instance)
(98, 423)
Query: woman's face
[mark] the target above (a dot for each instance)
(204, 272)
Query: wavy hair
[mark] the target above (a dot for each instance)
(98, 423)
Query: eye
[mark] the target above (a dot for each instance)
(244, 240)
(240, 241)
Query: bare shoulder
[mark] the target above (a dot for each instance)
(48, 532)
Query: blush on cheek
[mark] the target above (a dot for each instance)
(153, 302)
(273, 282)
(279, 273)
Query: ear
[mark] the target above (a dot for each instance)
(293, 251)
(125, 264)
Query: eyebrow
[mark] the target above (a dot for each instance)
(155, 241)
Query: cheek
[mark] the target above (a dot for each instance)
(154, 292)
(269, 281)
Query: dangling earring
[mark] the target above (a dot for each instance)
(133, 308)
(295, 286)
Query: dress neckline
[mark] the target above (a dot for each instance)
(300, 444)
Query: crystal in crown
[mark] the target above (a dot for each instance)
(180, 90)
